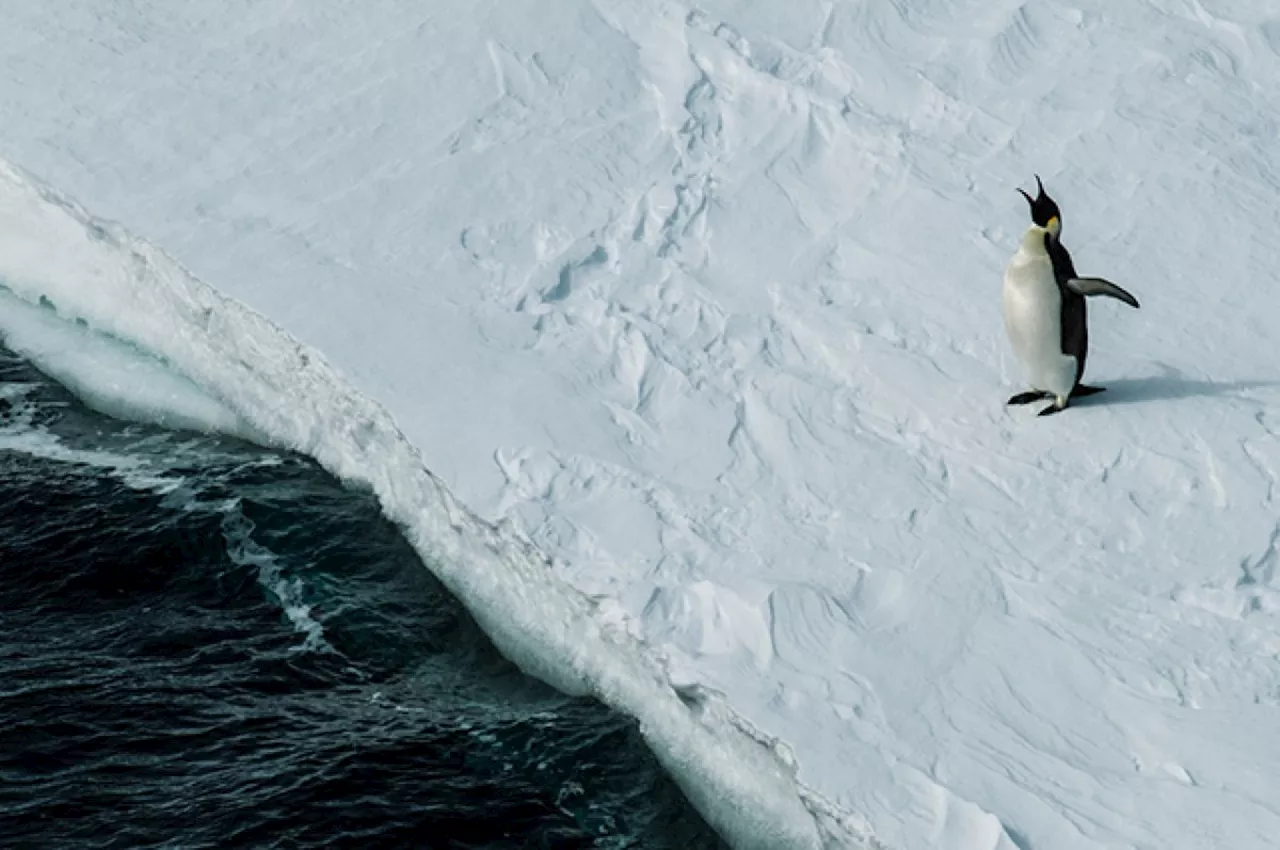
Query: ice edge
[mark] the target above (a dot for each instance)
(742, 781)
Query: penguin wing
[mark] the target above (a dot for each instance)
(1100, 286)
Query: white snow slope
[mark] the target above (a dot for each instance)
(705, 302)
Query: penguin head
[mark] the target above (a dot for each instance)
(1044, 212)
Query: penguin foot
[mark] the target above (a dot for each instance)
(1083, 390)
(1027, 397)
(1058, 405)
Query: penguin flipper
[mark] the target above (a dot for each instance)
(1027, 397)
(1101, 286)
(1082, 390)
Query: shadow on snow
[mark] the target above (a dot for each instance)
(1169, 388)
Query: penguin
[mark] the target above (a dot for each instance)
(1044, 309)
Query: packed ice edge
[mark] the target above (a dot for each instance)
(239, 373)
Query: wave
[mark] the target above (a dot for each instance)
(256, 588)
(242, 549)
(136, 335)
(19, 433)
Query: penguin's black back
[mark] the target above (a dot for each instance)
(1075, 322)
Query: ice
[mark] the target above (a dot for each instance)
(143, 300)
(111, 377)
(699, 306)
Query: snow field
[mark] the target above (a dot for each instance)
(704, 301)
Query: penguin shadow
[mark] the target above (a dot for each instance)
(1168, 388)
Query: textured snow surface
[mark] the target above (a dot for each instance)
(139, 327)
(705, 301)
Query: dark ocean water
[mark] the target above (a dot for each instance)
(207, 644)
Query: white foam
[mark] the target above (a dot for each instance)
(288, 591)
(92, 272)
(19, 434)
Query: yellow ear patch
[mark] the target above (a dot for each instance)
(1053, 224)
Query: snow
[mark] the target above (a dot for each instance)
(89, 276)
(704, 302)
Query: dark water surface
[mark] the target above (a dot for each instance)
(208, 644)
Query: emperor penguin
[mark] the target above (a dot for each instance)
(1044, 309)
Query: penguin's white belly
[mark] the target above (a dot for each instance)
(1033, 320)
